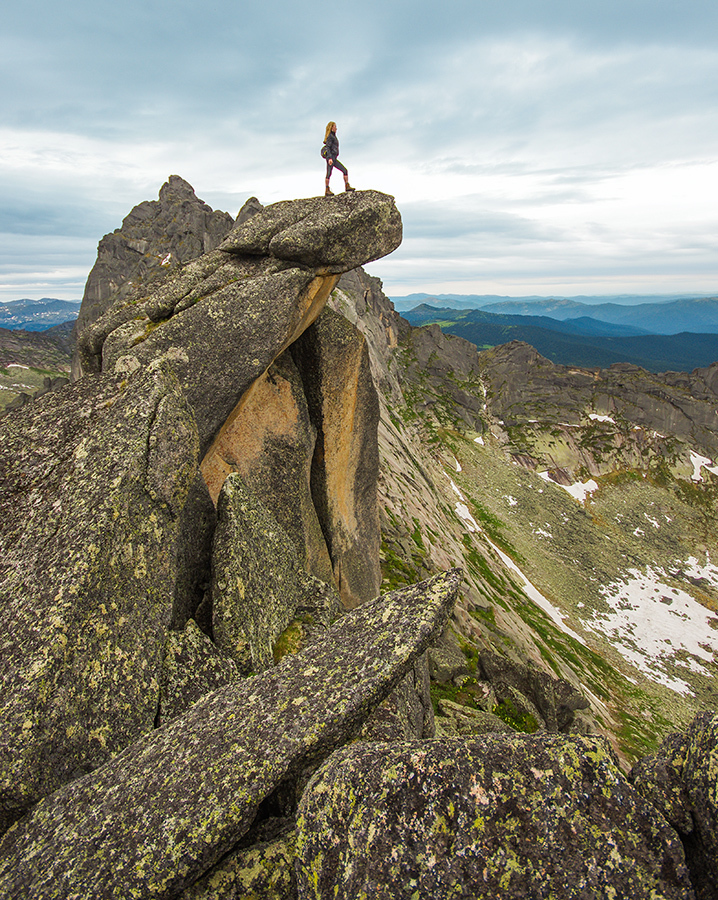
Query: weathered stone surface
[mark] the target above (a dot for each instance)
(95, 479)
(192, 667)
(226, 340)
(263, 871)
(497, 816)
(681, 781)
(556, 699)
(156, 817)
(156, 237)
(459, 720)
(335, 234)
(334, 363)
(407, 712)
(255, 584)
(198, 522)
(270, 441)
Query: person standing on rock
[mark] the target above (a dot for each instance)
(330, 151)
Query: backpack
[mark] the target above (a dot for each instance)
(325, 152)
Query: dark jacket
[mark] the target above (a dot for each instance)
(332, 145)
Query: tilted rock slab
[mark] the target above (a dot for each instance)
(256, 579)
(229, 314)
(161, 813)
(333, 359)
(95, 478)
(507, 816)
(681, 780)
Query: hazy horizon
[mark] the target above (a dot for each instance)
(533, 149)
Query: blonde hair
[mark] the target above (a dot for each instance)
(329, 128)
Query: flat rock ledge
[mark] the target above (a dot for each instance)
(498, 816)
(155, 818)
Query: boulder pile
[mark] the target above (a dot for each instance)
(204, 695)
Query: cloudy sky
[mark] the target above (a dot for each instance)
(552, 147)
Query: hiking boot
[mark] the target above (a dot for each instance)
(328, 192)
(348, 187)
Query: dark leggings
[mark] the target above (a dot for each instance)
(335, 165)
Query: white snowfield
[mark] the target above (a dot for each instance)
(579, 491)
(701, 462)
(657, 627)
(596, 418)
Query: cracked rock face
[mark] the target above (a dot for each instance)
(156, 817)
(509, 816)
(94, 484)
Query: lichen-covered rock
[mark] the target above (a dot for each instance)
(497, 816)
(255, 581)
(459, 720)
(334, 363)
(263, 870)
(225, 339)
(407, 712)
(681, 781)
(192, 667)
(95, 479)
(160, 814)
(555, 698)
(336, 234)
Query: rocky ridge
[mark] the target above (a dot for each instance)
(212, 480)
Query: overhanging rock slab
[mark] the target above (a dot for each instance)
(155, 818)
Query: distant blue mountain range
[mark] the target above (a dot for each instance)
(654, 315)
(582, 341)
(37, 315)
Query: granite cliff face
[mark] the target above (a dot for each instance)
(205, 693)
(156, 238)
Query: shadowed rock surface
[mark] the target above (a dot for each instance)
(94, 484)
(498, 816)
(156, 817)
(681, 781)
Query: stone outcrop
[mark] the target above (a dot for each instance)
(681, 781)
(107, 523)
(525, 386)
(497, 816)
(156, 238)
(158, 815)
(93, 490)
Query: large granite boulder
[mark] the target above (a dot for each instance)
(681, 781)
(256, 581)
(270, 441)
(334, 234)
(243, 295)
(156, 237)
(95, 480)
(508, 816)
(333, 359)
(157, 816)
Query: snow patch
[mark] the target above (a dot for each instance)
(479, 440)
(596, 418)
(537, 597)
(701, 462)
(579, 491)
(462, 510)
(649, 623)
(457, 464)
(512, 501)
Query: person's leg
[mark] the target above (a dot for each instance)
(327, 191)
(342, 169)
